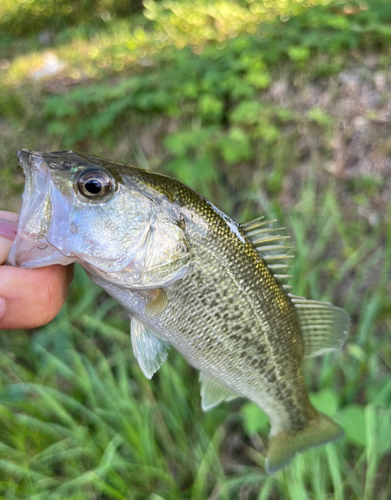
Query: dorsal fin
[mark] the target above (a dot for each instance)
(324, 326)
(270, 243)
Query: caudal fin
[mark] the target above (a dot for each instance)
(284, 445)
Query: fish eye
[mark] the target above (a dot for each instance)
(95, 184)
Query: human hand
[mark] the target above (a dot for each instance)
(29, 298)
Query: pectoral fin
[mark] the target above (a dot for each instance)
(149, 351)
(213, 393)
(157, 305)
(166, 253)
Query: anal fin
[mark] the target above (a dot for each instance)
(213, 393)
(149, 351)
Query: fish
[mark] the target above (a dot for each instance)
(191, 278)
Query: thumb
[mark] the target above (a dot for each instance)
(8, 230)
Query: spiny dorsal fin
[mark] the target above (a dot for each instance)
(149, 351)
(213, 393)
(270, 243)
(324, 327)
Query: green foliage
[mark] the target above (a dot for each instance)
(28, 16)
(193, 161)
(254, 419)
(353, 421)
(192, 89)
(325, 401)
(220, 88)
(319, 116)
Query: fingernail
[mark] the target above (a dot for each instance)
(2, 308)
(8, 228)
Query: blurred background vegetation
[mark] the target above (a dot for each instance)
(279, 108)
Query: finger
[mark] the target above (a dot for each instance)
(8, 228)
(30, 298)
(9, 215)
(5, 247)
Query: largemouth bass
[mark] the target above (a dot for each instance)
(191, 278)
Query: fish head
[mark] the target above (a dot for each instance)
(82, 208)
(78, 208)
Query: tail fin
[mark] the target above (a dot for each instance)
(284, 445)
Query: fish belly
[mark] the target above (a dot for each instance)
(232, 322)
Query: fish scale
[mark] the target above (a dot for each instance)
(258, 301)
(191, 278)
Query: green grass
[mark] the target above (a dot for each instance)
(176, 92)
(79, 420)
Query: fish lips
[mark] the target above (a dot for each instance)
(31, 247)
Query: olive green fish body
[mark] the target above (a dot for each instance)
(191, 278)
(230, 318)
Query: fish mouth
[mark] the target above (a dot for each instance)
(31, 247)
(36, 196)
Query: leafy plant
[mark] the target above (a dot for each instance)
(221, 96)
